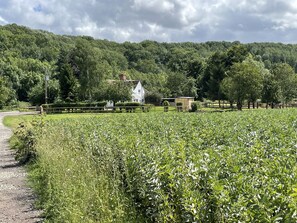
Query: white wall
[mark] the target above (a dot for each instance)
(138, 93)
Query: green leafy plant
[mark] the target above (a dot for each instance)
(220, 167)
(166, 104)
(195, 106)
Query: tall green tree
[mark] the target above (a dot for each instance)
(37, 93)
(271, 90)
(89, 67)
(68, 83)
(180, 85)
(115, 91)
(287, 81)
(244, 80)
(213, 75)
(217, 67)
(7, 94)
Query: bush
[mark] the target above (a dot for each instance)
(129, 106)
(153, 98)
(166, 103)
(76, 105)
(120, 104)
(24, 140)
(132, 104)
(195, 106)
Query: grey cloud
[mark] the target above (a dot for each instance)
(161, 20)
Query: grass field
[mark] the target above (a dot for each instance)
(166, 167)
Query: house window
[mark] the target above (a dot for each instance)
(138, 90)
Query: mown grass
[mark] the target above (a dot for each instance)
(14, 121)
(167, 167)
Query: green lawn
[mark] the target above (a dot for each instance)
(14, 121)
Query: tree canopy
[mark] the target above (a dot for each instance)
(79, 66)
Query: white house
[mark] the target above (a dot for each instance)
(138, 92)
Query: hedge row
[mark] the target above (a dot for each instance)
(75, 105)
(136, 104)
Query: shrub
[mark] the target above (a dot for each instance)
(166, 103)
(75, 105)
(120, 104)
(24, 140)
(132, 104)
(195, 106)
(153, 98)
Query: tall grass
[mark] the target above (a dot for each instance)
(230, 167)
(72, 184)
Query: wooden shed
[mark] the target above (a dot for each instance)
(186, 101)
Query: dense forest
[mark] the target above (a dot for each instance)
(79, 67)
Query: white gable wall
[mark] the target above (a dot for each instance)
(138, 93)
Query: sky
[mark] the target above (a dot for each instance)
(159, 20)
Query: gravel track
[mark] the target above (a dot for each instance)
(16, 198)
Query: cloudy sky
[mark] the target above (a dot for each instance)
(161, 20)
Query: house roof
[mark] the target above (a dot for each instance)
(133, 83)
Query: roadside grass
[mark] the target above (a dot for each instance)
(13, 121)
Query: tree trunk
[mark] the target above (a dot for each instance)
(254, 105)
(239, 105)
(219, 103)
(249, 104)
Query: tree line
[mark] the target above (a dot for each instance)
(80, 67)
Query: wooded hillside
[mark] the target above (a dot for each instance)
(78, 68)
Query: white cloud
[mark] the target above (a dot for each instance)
(162, 20)
(154, 6)
(3, 21)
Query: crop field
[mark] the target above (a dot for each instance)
(175, 167)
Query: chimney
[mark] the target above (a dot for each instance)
(123, 77)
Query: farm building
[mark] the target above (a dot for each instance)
(186, 101)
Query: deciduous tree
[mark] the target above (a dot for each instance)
(243, 81)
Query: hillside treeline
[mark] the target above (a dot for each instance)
(79, 67)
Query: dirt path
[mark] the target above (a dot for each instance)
(16, 199)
